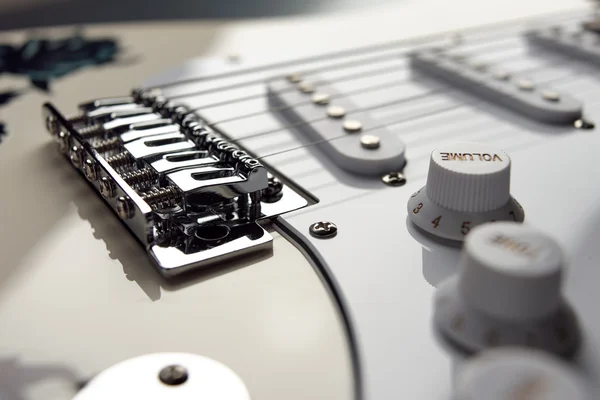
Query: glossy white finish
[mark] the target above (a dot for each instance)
(385, 282)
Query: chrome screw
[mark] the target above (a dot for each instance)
(272, 193)
(323, 230)
(173, 375)
(63, 141)
(107, 186)
(51, 124)
(394, 179)
(125, 207)
(90, 169)
(75, 156)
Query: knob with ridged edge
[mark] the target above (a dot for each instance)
(507, 292)
(468, 184)
(518, 373)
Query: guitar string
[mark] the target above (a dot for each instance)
(396, 56)
(464, 103)
(442, 90)
(362, 90)
(483, 34)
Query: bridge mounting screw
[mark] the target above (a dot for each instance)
(173, 375)
(52, 124)
(125, 207)
(394, 179)
(323, 230)
(272, 193)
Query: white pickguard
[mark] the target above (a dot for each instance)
(65, 305)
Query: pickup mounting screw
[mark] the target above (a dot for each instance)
(90, 169)
(323, 230)
(125, 207)
(108, 189)
(394, 179)
(173, 375)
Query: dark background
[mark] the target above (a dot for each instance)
(15, 14)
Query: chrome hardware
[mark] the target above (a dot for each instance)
(189, 195)
(323, 230)
(140, 178)
(156, 146)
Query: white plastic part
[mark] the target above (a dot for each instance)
(138, 378)
(511, 271)
(468, 184)
(469, 177)
(507, 292)
(518, 373)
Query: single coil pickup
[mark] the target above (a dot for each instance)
(582, 45)
(500, 87)
(338, 135)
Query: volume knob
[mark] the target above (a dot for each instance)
(467, 184)
(507, 292)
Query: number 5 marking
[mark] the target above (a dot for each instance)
(466, 227)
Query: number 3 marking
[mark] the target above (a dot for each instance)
(417, 208)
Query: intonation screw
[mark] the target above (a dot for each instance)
(323, 230)
(88, 132)
(142, 178)
(173, 375)
(120, 160)
(394, 179)
(90, 169)
(108, 188)
(163, 197)
(125, 207)
(51, 124)
(75, 156)
(77, 119)
(63, 141)
(107, 145)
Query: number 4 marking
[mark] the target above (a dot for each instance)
(436, 221)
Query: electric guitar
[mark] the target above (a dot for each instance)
(386, 203)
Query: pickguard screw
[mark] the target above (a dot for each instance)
(323, 229)
(272, 193)
(394, 179)
(90, 169)
(75, 156)
(125, 207)
(173, 375)
(108, 189)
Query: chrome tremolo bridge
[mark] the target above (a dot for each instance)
(188, 194)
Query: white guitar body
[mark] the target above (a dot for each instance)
(348, 317)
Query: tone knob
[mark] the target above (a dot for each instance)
(507, 292)
(517, 373)
(468, 184)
